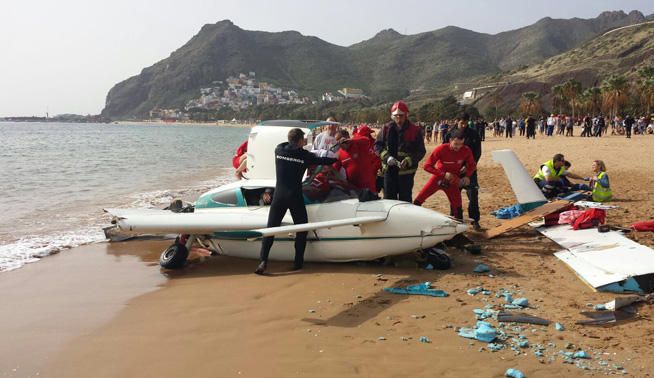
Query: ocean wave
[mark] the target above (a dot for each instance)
(158, 198)
(32, 248)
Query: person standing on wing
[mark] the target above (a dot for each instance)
(400, 145)
(291, 160)
(445, 163)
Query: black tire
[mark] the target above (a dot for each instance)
(438, 259)
(174, 256)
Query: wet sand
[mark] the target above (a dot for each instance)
(215, 318)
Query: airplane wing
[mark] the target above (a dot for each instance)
(153, 221)
(282, 230)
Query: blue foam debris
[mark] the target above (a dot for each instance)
(581, 354)
(559, 327)
(481, 268)
(495, 347)
(505, 294)
(523, 344)
(508, 212)
(628, 285)
(419, 289)
(514, 373)
(429, 267)
(511, 306)
(599, 307)
(475, 290)
(484, 314)
(424, 339)
(483, 331)
(522, 302)
(467, 332)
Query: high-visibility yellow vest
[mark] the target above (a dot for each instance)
(555, 173)
(600, 193)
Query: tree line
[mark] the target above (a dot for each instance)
(352, 111)
(616, 96)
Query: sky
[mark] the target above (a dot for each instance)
(64, 56)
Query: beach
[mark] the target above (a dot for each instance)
(106, 310)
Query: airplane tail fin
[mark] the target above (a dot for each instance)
(524, 187)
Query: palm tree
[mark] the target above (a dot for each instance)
(647, 72)
(647, 86)
(530, 103)
(571, 90)
(614, 93)
(585, 102)
(558, 99)
(647, 94)
(595, 94)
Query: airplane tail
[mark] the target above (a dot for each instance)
(524, 187)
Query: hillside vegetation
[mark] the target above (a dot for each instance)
(389, 65)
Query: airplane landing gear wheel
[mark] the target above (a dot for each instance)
(438, 258)
(174, 256)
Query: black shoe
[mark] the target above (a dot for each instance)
(297, 266)
(261, 269)
(476, 226)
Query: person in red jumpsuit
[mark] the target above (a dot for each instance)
(354, 157)
(365, 132)
(444, 163)
(239, 159)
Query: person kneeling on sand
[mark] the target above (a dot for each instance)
(599, 183)
(550, 174)
(444, 163)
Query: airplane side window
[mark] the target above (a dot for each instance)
(227, 197)
(258, 197)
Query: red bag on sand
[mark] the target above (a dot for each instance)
(643, 226)
(589, 219)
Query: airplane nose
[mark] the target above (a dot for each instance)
(460, 228)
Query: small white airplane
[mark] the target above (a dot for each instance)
(230, 220)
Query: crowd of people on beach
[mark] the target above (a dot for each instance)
(368, 160)
(552, 125)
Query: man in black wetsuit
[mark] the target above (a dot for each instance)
(291, 160)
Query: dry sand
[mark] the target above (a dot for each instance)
(215, 318)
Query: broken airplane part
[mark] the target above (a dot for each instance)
(606, 261)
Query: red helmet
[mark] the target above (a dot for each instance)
(364, 130)
(399, 107)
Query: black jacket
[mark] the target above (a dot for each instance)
(290, 163)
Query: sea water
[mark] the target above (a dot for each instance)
(55, 178)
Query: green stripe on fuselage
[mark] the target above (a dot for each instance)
(244, 235)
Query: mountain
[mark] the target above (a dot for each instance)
(388, 65)
(619, 52)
